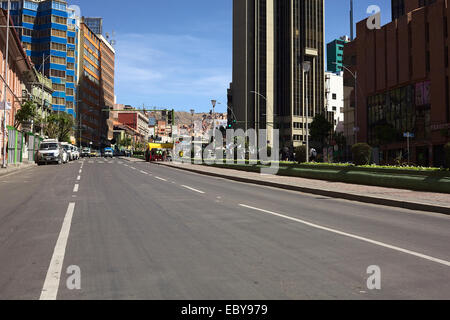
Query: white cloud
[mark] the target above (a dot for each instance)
(158, 67)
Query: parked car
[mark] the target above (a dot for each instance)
(68, 148)
(50, 151)
(65, 154)
(76, 152)
(85, 152)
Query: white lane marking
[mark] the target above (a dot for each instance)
(80, 171)
(78, 178)
(126, 165)
(143, 172)
(75, 189)
(162, 179)
(133, 168)
(192, 189)
(51, 283)
(378, 243)
(100, 162)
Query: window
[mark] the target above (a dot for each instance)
(298, 125)
(60, 20)
(59, 33)
(58, 60)
(69, 91)
(58, 46)
(59, 5)
(28, 19)
(71, 53)
(59, 87)
(70, 66)
(70, 79)
(334, 96)
(57, 73)
(71, 40)
(334, 109)
(59, 101)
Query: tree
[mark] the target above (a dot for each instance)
(26, 114)
(300, 154)
(447, 155)
(320, 129)
(60, 126)
(362, 153)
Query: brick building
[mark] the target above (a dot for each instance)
(403, 82)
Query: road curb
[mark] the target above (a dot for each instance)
(327, 193)
(16, 170)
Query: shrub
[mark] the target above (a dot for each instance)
(447, 155)
(361, 154)
(300, 154)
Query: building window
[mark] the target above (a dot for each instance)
(70, 66)
(58, 46)
(58, 60)
(57, 73)
(59, 87)
(59, 101)
(71, 40)
(334, 96)
(59, 33)
(70, 79)
(60, 20)
(69, 91)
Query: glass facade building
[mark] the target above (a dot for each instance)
(49, 34)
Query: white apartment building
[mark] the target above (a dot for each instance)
(334, 98)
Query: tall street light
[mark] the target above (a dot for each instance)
(306, 70)
(214, 102)
(267, 105)
(355, 76)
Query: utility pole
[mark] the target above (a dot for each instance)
(351, 21)
(306, 69)
(4, 165)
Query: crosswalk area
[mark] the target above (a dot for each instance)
(102, 161)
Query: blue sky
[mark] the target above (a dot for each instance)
(178, 54)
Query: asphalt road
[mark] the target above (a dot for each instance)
(143, 231)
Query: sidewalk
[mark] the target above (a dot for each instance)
(16, 168)
(414, 200)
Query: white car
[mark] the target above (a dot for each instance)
(75, 153)
(51, 151)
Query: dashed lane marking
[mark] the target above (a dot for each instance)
(51, 283)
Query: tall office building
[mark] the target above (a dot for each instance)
(271, 40)
(95, 24)
(96, 88)
(49, 35)
(335, 54)
(253, 87)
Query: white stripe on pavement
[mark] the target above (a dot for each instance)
(78, 178)
(162, 179)
(133, 168)
(143, 172)
(51, 284)
(192, 189)
(75, 189)
(378, 243)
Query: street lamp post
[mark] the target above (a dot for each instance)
(306, 70)
(355, 77)
(214, 102)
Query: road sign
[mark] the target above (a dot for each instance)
(408, 135)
